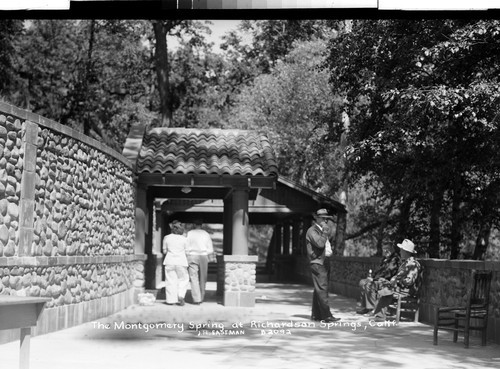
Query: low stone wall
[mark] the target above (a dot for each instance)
(67, 220)
(345, 273)
(447, 283)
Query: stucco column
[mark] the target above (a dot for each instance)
(286, 238)
(240, 222)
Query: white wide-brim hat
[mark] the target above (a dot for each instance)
(407, 245)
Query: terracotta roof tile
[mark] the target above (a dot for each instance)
(206, 151)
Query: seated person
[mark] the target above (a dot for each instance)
(405, 279)
(369, 286)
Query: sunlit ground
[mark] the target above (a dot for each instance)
(276, 333)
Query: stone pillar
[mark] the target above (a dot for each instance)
(27, 200)
(239, 280)
(239, 268)
(240, 222)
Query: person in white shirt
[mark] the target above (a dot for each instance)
(199, 249)
(176, 271)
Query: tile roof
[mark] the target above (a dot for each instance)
(206, 151)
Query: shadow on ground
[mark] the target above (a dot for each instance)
(278, 327)
(276, 333)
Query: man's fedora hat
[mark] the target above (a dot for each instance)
(407, 245)
(323, 213)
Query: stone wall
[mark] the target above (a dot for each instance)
(67, 219)
(239, 280)
(445, 282)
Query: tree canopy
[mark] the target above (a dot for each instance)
(423, 102)
(403, 115)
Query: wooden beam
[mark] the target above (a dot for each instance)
(207, 180)
(188, 192)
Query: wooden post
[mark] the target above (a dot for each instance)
(286, 238)
(24, 352)
(278, 231)
(240, 222)
(296, 237)
(228, 226)
(150, 272)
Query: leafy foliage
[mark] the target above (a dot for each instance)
(10, 29)
(424, 120)
(294, 104)
(422, 99)
(84, 74)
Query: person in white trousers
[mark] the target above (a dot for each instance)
(176, 273)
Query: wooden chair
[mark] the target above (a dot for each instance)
(407, 301)
(474, 316)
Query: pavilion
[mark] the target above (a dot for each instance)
(229, 177)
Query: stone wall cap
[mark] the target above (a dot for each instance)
(241, 258)
(365, 259)
(68, 260)
(62, 129)
(432, 263)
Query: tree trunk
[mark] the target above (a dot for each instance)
(482, 240)
(435, 224)
(162, 71)
(456, 221)
(342, 217)
(383, 225)
(87, 77)
(404, 218)
(340, 234)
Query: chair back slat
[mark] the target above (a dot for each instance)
(480, 291)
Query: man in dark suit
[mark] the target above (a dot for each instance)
(317, 242)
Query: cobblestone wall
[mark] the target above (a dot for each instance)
(11, 170)
(69, 283)
(67, 215)
(84, 200)
(240, 277)
(239, 280)
(448, 283)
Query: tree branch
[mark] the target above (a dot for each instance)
(367, 228)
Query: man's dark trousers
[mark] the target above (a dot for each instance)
(320, 307)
